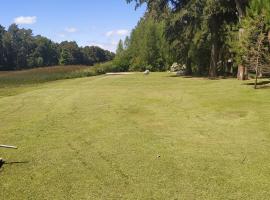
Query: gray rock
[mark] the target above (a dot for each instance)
(147, 72)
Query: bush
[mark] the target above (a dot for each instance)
(104, 68)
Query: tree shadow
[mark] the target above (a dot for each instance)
(202, 77)
(175, 76)
(12, 163)
(261, 84)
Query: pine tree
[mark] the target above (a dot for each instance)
(120, 47)
(65, 57)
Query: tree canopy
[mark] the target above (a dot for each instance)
(20, 49)
(203, 35)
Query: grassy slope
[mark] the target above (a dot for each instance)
(13, 82)
(99, 137)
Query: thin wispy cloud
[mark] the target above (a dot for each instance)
(71, 30)
(109, 33)
(25, 20)
(62, 35)
(121, 32)
(67, 32)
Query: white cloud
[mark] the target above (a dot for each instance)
(66, 32)
(62, 35)
(121, 32)
(109, 33)
(71, 30)
(111, 45)
(25, 20)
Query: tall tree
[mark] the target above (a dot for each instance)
(70, 53)
(218, 14)
(252, 49)
(120, 47)
(46, 50)
(2, 53)
(191, 21)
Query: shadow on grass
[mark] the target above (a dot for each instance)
(260, 84)
(13, 163)
(175, 76)
(203, 77)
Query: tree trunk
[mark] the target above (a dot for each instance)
(240, 6)
(257, 73)
(242, 73)
(189, 68)
(269, 36)
(260, 73)
(240, 9)
(256, 79)
(214, 60)
(214, 48)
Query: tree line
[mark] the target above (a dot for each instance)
(20, 49)
(209, 37)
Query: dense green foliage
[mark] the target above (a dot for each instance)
(146, 48)
(203, 35)
(19, 49)
(256, 22)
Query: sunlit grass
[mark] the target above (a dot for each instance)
(136, 137)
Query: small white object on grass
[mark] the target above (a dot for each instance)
(147, 72)
(8, 147)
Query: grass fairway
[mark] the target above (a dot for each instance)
(100, 137)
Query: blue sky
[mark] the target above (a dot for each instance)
(88, 22)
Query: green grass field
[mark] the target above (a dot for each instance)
(135, 137)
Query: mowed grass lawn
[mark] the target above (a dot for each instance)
(136, 137)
